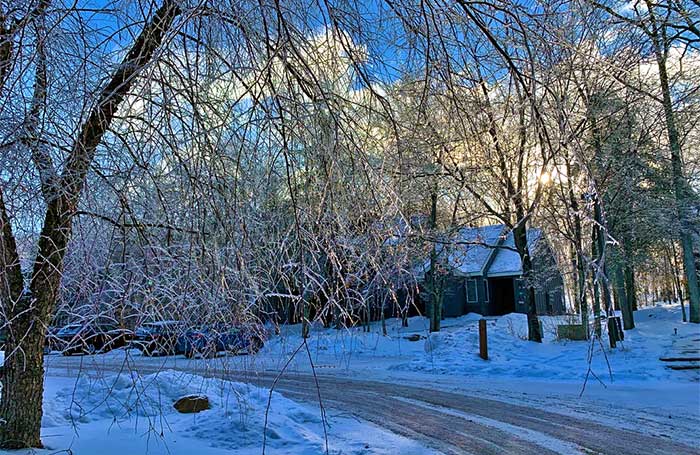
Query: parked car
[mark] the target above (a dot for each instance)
(90, 338)
(53, 342)
(207, 341)
(159, 338)
(118, 338)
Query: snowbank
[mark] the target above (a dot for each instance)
(454, 350)
(135, 415)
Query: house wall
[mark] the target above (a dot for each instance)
(484, 304)
(520, 305)
(487, 306)
(454, 300)
(549, 295)
(549, 298)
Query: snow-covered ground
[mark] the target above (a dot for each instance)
(454, 350)
(119, 414)
(635, 387)
(636, 390)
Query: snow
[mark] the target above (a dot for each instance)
(641, 394)
(454, 350)
(636, 391)
(470, 259)
(478, 244)
(537, 437)
(507, 260)
(511, 356)
(135, 414)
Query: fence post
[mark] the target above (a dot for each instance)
(483, 348)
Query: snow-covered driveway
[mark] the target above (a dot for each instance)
(456, 422)
(526, 399)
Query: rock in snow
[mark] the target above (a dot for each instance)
(192, 403)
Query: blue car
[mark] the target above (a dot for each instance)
(161, 337)
(207, 341)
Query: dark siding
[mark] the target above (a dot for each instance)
(520, 290)
(476, 306)
(549, 282)
(453, 298)
(548, 299)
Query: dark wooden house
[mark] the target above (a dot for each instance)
(484, 274)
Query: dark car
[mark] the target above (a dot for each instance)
(158, 338)
(91, 338)
(209, 340)
(52, 341)
(118, 338)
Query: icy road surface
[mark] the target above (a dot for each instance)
(457, 421)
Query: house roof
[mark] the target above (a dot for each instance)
(473, 247)
(507, 260)
(485, 250)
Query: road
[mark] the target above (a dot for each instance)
(447, 421)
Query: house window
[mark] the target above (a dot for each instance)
(471, 291)
(486, 290)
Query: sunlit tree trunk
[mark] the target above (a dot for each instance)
(23, 372)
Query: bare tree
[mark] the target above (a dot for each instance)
(29, 313)
(665, 26)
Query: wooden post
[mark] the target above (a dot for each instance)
(483, 348)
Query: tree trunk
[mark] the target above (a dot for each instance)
(435, 283)
(631, 287)
(624, 301)
(383, 316)
(672, 258)
(600, 227)
(534, 332)
(682, 190)
(21, 401)
(601, 259)
(581, 292)
(21, 421)
(596, 290)
(580, 276)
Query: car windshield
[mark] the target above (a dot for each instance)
(158, 327)
(69, 329)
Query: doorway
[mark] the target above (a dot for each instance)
(502, 295)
